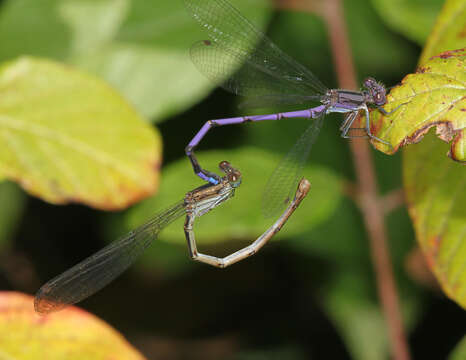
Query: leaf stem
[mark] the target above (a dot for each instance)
(373, 214)
(367, 196)
(393, 200)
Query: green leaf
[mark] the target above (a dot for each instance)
(140, 47)
(434, 96)
(436, 195)
(449, 31)
(376, 49)
(32, 27)
(70, 334)
(459, 353)
(92, 23)
(67, 137)
(13, 200)
(412, 18)
(240, 218)
(434, 186)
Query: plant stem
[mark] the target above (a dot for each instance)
(392, 201)
(373, 214)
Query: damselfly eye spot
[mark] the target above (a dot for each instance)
(224, 166)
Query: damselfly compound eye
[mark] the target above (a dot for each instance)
(224, 166)
(234, 178)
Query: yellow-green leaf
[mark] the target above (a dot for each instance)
(71, 334)
(66, 136)
(435, 190)
(435, 186)
(434, 96)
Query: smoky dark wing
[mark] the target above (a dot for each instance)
(242, 59)
(98, 270)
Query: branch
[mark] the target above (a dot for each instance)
(367, 184)
(369, 202)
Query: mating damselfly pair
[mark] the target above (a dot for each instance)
(244, 61)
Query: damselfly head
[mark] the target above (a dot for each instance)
(233, 175)
(225, 166)
(377, 91)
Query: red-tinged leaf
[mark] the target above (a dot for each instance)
(71, 334)
(435, 190)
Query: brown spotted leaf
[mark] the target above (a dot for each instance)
(434, 96)
(71, 334)
(66, 136)
(435, 190)
(435, 186)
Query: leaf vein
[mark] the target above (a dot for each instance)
(67, 141)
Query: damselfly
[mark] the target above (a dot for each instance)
(98, 270)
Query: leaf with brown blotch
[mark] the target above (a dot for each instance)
(435, 189)
(434, 96)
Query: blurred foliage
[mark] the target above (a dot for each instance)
(71, 334)
(414, 18)
(287, 353)
(449, 31)
(434, 96)
(349, 291)
(357, 316)
(459, 353)
(376, 50)
(142, 49)
(137, 46)
(54, 147)
(10, 215)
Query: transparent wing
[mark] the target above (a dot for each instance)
(274, 100)
(282, 184)
(98, 270)
(235, 44)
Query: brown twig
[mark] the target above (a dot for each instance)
(393, 200)
(387, 203)
(366, 190)
(369, 202)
